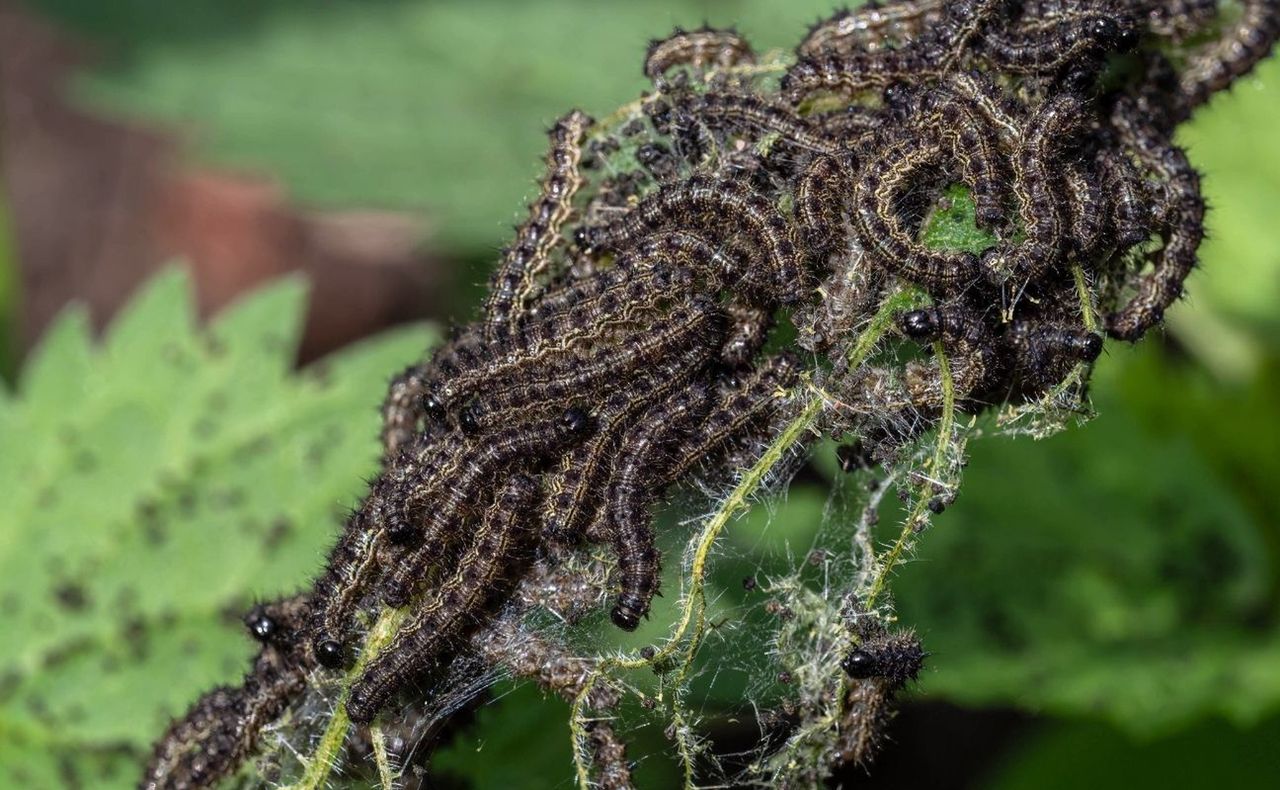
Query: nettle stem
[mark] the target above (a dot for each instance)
(325, 758)
(932, 482)
(686, 637)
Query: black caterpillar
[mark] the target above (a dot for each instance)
(624, 344)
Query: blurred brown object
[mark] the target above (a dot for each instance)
(99, 204)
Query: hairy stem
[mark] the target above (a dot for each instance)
(688, 632)
(385, 773)
(1087, 312)
(912, 525)
(325, 757)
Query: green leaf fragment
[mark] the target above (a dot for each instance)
(953, 225)
(153, 487)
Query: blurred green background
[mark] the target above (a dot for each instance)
(1101, 606)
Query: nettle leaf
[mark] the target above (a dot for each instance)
(519, 742)
(153, 486)
(1088, 754)
(1108, 571)
(1241, 174)
(953, 224)
(435, 106)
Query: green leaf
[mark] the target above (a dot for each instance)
(522, 742)
(154, 486)
(423, 105)
(1079, 754)
(953, 225)
(1112, 570)
(1241, 178)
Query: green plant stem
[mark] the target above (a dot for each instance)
(690, 628)
(684, 746)
(385, 775)
(1087, 313)
(910, 526)
(326, 754)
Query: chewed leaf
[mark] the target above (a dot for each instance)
(953, 226)
(154, 487)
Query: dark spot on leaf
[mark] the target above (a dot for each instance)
(227, 498)
(148, 510)
(126, 601)
(135, 636)
(229, 665)
(64, 653)
(175, 355)
(321, 373)
(260, 445)
(1219, 561)
(280, 529)
(154, 533)
(38, 709)
(273, 342)
(68, 773)
(71, 597)
(316, 453)
(994, 622)
(320, 450)
(204, 428)
(47, 497)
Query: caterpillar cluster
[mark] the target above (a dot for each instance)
(628, 341)
(229, 724)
